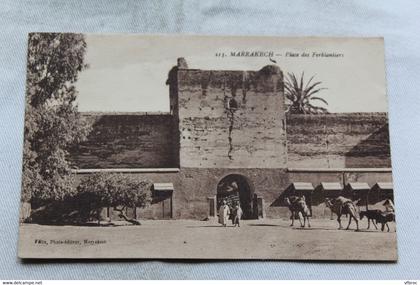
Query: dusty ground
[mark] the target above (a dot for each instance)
(255, 239)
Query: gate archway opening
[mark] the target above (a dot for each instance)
(234, 189)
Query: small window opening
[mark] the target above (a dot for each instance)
(233, 104)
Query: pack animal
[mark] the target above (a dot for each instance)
(297, 206)
(384, 218)
(340, 206)
(371, 215)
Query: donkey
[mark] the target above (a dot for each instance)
(379, 217)
(384, 218)
(371, 215)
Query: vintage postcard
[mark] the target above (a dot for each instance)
(202, 147)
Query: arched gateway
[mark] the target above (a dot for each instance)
(236, 188)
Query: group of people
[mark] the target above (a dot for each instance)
(226, 212)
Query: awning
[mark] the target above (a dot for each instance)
(302, 186)
(163, 187)
(359, 186)
(331, 186)
(384, 185)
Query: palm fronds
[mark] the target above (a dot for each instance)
(299, 96)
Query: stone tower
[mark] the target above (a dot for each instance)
(229, 119)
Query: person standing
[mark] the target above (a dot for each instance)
(389, 206)
(237, 215)
(224, 212)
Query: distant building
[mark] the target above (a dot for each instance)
(227, 136)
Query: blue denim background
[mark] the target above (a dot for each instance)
(397, 21)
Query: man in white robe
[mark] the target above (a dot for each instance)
(389, 206)
(224, 213)
(237, 215)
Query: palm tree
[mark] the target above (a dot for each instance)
(300, 98)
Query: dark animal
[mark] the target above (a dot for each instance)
(340, 206)
(371, 215)
(297, 205)
(384, 218)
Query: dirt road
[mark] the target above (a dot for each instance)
(255, 239)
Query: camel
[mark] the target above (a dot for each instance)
(340, 206)
(297, 205)
(289, 201)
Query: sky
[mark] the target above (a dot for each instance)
(127, 73)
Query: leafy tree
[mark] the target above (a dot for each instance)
(300, 96)
(120, 191)
(52, 122)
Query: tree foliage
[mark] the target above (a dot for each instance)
(52, 122)
(300, 97)
(102, 190)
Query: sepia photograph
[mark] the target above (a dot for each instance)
(206, 147)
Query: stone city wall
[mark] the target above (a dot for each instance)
(128, 141)
(193, 187)
(338, 140)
